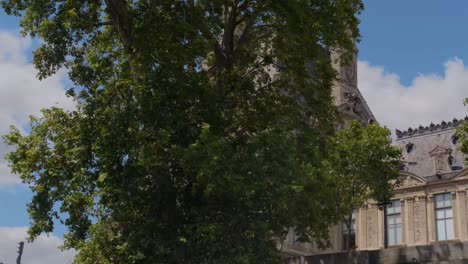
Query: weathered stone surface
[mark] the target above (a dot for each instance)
(430, 153)
(439, 253)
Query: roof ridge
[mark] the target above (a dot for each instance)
(429, 129)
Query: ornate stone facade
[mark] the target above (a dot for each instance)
(432, 194)
(348, 98)
(419, 197)
(352, 105)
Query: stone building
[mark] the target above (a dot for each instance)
(429, 204)
(353, 106)
(427, 221)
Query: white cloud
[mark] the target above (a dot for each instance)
(429, 98)
(22, 94)
(44, 250)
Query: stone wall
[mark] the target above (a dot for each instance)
(440, 253)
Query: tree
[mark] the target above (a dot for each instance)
(365, 166)
(462, 133)
(185, 146)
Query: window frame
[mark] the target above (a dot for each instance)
(397, 228)
(344, 232)
(444, 208)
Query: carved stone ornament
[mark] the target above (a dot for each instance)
(353, 102)
(371, 231)
(419, 223)
(409, 181)
(431, 128)
(349, 72)
(440, 156)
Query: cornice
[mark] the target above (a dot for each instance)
(432, 128)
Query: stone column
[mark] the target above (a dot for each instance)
(430, 218)
(461, 212)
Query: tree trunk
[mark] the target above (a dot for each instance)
(348, 223)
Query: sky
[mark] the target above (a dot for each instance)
(410, 70)
(411, 61)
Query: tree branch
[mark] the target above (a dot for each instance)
(118, 11)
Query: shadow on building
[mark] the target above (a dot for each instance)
(437, 253)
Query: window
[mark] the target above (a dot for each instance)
(394, 223)
(351, 237)
(451, 160)
(409, 147)
(444, 216)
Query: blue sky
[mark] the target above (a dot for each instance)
(411, 71)
(413, 37)
(8, 22)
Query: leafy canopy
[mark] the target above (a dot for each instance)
(462, 133)
(365, 165)
(185, 146)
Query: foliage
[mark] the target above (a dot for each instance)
(365, 166)
(462, 133)
(185, 146)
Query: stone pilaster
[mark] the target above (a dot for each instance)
(362, 235)
(420, 220)
(358, 228)
(372, 227)
(461, 213)
(456, 217)
(410, 225)
(404, 221)
(380, 228)
(430, 218)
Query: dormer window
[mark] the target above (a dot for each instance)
(451, 160)
(442, 158)
(410, 147)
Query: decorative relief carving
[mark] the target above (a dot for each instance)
(371, 227)
(409, 181)
(419, 219)
(439, 162)
(353, 102)
(348, 72)
(419, 223)
(440, 156)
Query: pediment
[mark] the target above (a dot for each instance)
(410, 180)
(440, 150)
